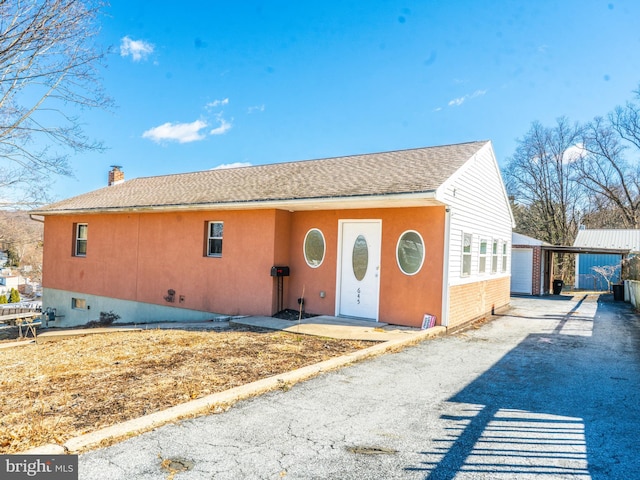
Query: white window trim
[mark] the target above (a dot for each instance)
(78, 239)
(209, 238)
(423, 252)
(504, 257)
(495, 256)
(463, 253)
(324, 250)
(482, 256)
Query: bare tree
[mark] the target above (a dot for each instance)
(539, 176)
(48, 73)
(605, 170)
(607, 272)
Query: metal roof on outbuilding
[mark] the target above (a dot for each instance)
(609, 239)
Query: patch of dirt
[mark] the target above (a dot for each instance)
(290, 314)
(54, 391)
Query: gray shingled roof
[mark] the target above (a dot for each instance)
(389, 173)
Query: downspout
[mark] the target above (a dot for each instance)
(444, 320)
(35, 218)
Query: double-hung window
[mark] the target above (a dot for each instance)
(504, 256)
(466, 254)
(214, 239)
(482, 260)
(494, 257)
(80, 242)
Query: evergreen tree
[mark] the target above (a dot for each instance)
(14, 296)
(12, 258)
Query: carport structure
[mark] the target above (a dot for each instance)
(533, 263)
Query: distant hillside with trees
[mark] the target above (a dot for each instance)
(22, 239)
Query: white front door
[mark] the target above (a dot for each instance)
(359, 269)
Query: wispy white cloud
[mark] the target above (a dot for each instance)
(136, 49)
(223, 128)
(256, 108)
(177, 132)
(218, 103)
(232, 165)
(573, 153)
(456, 102)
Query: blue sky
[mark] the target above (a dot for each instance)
(247, 82)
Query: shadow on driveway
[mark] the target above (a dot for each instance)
(562, 404)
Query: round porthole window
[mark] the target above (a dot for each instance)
(314, 248)
(410, 252)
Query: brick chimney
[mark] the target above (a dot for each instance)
(116, 175)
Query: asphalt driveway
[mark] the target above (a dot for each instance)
(550, 390)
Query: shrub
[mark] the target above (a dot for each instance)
(106, 319)
(14, 296)
(3, 299)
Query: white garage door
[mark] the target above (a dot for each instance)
(521, 270)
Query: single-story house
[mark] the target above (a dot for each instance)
(388, 237)
(625, 240)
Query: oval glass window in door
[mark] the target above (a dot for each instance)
(360, 257)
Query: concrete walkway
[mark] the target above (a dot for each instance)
(333, 327)
(549, 391)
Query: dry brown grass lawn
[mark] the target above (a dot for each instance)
(54, 391)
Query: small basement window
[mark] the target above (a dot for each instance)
(79, 303)
(314, 248)
(410, 252)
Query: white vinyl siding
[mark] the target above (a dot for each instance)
(479, 206)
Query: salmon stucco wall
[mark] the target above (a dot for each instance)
(404, 299)
(141, 256)
(472, 301)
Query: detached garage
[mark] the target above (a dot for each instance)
(522, 271)
(532, 262)
(526, 265)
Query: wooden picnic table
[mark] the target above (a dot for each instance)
(26, 319)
